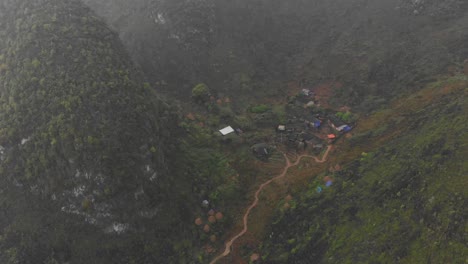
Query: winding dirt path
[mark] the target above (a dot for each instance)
(229, 243)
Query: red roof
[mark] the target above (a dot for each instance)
(331, 136)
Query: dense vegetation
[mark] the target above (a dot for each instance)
(96, 167)
(84, 143)
(402, 203)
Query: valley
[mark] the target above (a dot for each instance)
(220, 131)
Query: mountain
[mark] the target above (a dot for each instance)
(377, 49)
(100, 164)
(85, 142)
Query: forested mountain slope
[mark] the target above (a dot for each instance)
(96, 168)
(251, 47)
(401, 203)
(84, 143)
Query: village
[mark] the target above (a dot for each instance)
(308, 127)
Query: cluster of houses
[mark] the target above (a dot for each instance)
(309, 129)
(305, 128)
(299, 134)
(314, 131)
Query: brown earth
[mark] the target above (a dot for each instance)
(323, 92)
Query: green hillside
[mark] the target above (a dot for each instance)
(401, 203)
(84, 175)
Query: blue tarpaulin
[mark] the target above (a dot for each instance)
(347, 129)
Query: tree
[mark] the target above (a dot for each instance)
(200, 92)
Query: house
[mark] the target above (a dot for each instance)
(291, 139)
(310, 104)
(261, 150)
(226, 131)
(301, 146)
(2, 153)
(315, 122)
(304, 97)
(344, 128)
(306, 92)
(318, 146)
(335, 122)
(320, 116)
(311, 140)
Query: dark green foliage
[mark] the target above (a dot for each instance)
(258, 109)
(347, 117)
(403, 203)
(86, 144)
(209, 169)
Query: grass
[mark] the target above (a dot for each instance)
(403, 193)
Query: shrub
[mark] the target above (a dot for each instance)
(262, 108)
(280, 113)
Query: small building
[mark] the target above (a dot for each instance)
(304, 97)
(320, 116)
(301, 145)
(281, 128)
(311, 141)
(226, 131)
(318, 146)
(331, 136)
(306, 137)
(261, 150)
(344, 128)
(306, 92)
(2, 153)
(314, 122)
(335, 122)
(309, 104)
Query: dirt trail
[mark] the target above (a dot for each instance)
(229, 243)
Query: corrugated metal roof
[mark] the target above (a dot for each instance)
(226, 130)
